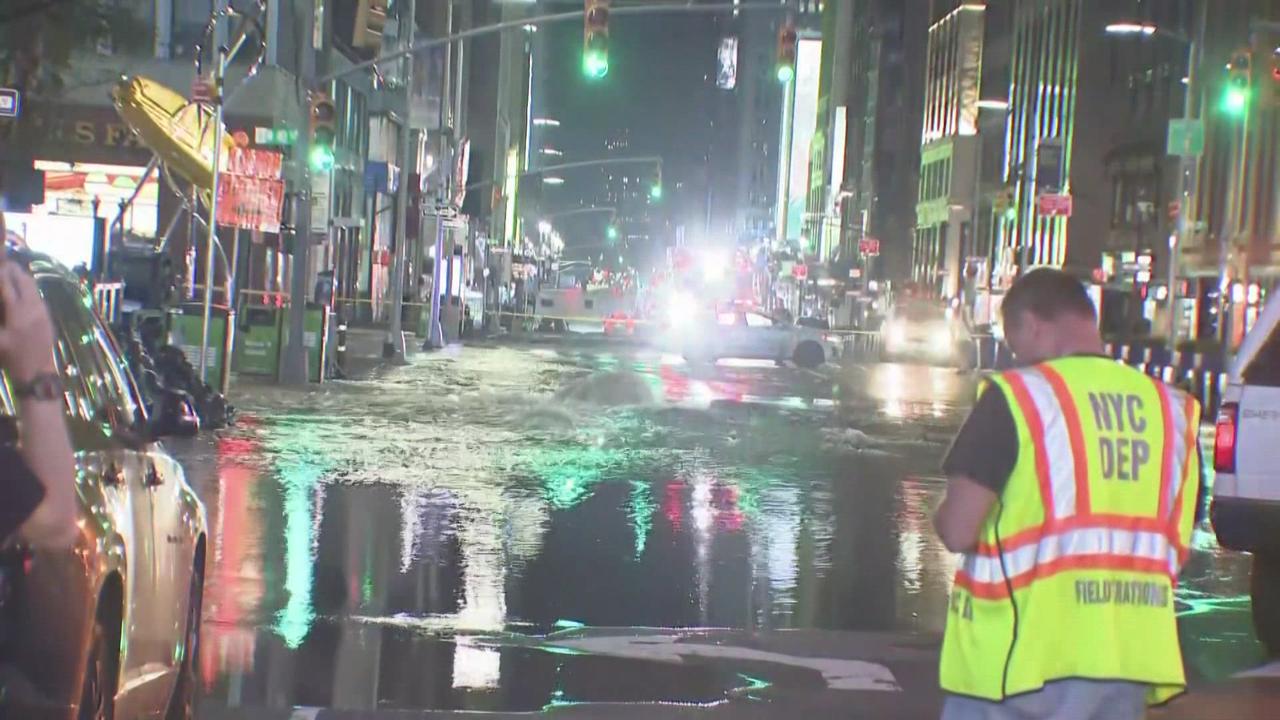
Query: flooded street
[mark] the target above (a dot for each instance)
(451, 534)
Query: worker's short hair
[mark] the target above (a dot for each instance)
(1049, 294)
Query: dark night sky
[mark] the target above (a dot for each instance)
(658, 88)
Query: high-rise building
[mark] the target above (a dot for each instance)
(947, 207)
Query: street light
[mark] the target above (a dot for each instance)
(553, 180)
(544, 227)
(1132, 28)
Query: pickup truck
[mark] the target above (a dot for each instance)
(1246, 458)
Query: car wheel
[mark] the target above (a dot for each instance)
(182, 705)
(98, 689)
(808, 355)
(1264, 587)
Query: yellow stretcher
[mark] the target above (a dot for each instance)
(178, 131)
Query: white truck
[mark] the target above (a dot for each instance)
(1246, 458)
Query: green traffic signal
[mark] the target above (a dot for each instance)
(612, 233)
(1236, 100)
(595, 64)
(321, 158)
(786, 73)
(655, 192)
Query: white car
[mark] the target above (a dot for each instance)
(1246, 458)
(751, 334)
(922, 331)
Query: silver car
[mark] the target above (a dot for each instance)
(111, 627)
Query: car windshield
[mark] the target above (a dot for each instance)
(920, 312)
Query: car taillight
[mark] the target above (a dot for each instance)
(1224, 438)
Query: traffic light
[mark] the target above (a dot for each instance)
(786, 53)
(370, 22)
(655, 192)
(1235, 99)
(324, 132)
(1269, 83)
(611, 232)
(595, 39)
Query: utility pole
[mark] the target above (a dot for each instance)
(393, 346)
(293, 366)
(1188, 169)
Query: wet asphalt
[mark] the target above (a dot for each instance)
(599, 531)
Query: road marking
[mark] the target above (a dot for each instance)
(839, 674)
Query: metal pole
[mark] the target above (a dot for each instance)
(1187, 169)
(393, 346)
(435, 336)
(293, 366)
(234, 270)
(219, 71)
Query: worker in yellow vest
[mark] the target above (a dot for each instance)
(1071, 493)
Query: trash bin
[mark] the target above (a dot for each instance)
(186, 327)
(257, 350)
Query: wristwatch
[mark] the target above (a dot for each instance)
(45, 386)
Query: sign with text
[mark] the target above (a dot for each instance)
(1185, 138)
(869, 246)
(1053, 205)
(10, 103)
(251, 190)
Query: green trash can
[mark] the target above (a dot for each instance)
(257, 350)
(186, 325)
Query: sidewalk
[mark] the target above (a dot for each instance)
(782, 675)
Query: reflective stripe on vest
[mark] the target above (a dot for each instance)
(1072, 537)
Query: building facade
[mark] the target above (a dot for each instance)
(948, 198)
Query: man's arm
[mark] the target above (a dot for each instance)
(977, 467)
(26, 353)
(963, 510)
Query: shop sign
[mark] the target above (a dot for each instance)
(869, 246)
(1054, 205)
(251, 191)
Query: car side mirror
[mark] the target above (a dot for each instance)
(175, 417)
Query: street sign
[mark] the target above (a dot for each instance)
(869, 246)
(10, 103)
(1049, 168)
(1185, 138)
(202, 89)
(1053, 205)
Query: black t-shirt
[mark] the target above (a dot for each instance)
(20, 491)
(986, 448)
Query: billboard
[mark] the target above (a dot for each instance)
(727, 64)
(804, 124)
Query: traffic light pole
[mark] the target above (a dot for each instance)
(393, 346)
(1188, 172)
(293, 365)
(654, 9)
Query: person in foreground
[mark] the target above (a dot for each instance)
(1071, 492)
(37, 493)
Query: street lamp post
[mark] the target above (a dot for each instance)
(1188, 165)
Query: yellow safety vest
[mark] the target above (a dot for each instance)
(1075, 568)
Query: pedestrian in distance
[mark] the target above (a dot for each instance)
(37, 495)
(1071, 495)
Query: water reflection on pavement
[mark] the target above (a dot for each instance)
(403, 542)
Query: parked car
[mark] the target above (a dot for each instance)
(748, 333)
(1246, 457)
(924, 331)
(110, 627)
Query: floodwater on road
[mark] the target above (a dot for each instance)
(404, 542)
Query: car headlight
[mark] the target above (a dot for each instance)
(941, 339)
(680, 309)
(895, 334)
